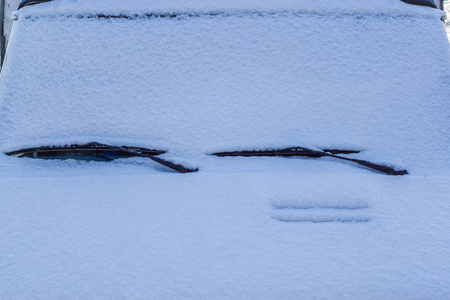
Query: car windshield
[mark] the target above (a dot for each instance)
(201, 82)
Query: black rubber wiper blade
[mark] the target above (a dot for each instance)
(98, 152)
(286, 152)
(24, 3)
(301, 151)
(70, 150)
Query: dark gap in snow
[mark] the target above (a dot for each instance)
(185, 15)
(298, 207)
(324, 220)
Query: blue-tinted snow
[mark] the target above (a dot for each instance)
(133, 7)
(241, 228)
(100, 230)
(213, 83)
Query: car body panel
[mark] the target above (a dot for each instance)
(84, 231)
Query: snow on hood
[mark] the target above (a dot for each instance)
(222, 236)
(198, 84)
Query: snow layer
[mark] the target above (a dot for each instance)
(133, 7)
(240, 228)
(198, 84)
(124, 231)
(447, 21)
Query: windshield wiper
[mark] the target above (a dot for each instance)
(98, 152)
(301, 151)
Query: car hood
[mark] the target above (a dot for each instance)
(122, 229)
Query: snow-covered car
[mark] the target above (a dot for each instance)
(225, 150)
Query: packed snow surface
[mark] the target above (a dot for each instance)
(133, 7)
(224, 76)
(205, 83)
(235, 230)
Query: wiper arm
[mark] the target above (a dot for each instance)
(301, 151)
(169, 164)
(97, 151)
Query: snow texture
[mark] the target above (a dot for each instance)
(447, 21)
(139, 7)
(116, 231)
(227, 76)
(199, 84)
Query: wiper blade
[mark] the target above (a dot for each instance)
(98, 152)
(286, 152)
(301, 151)
(90, 149)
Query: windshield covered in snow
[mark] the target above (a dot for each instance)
(204, 83)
